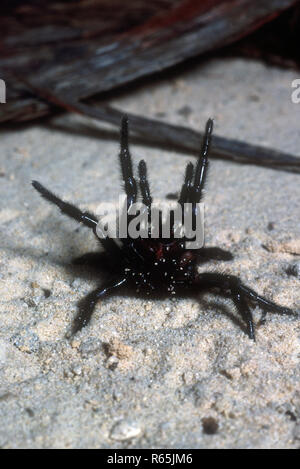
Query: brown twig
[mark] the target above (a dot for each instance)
(175, 136)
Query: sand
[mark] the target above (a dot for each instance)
(176, 373)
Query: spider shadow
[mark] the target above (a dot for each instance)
(221, 308)
(95, 265)
(68, 246)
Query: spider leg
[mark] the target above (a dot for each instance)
(202, 165)
(192, 188)
(239, 293)
(130, 185)
(264, 303)
(246, 314)
(88, 303)
(86, 218)
(184, 196)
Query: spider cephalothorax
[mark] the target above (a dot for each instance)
(157, 265)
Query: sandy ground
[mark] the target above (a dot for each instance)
(173, 373)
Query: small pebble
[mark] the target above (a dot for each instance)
(77, 370)
(210, 425)
(118, 349)
(294, 270)
(125, 430)
(188, 377)
(75, 343)
(112, 362)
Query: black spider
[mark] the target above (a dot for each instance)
(158, 266)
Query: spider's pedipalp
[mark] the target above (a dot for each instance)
(130, 185)
(144, 184)
(186, 187)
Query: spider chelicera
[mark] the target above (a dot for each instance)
(158, 266)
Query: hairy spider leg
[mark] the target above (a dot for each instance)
(194, 180)
(205, 254)
(185, 192)
(145, 190)
(196, 190)
(130, 185)
(88, 303)
(86, 218)
(264, 303)
(240, 292)
(202, 164)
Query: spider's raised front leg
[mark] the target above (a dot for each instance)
(130, 185)
(87, 304)
(202, 165)
(195, 178)
(240, 293)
